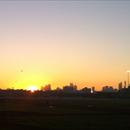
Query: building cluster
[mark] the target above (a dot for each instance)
(121, 86)
(72, 88)
(108, 89)
(46, 87)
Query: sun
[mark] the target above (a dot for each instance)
(32, 88)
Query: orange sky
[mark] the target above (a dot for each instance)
(86, 43)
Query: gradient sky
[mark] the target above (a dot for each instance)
(57, 42)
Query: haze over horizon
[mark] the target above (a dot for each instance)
(58, 42)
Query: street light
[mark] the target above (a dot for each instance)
(128, 72)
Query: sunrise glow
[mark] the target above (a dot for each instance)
(32, 88)
(43, 43)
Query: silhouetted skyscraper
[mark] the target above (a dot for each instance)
(124, 84)
(120, 86)
(93, 89)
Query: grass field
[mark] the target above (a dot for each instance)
(64, 114)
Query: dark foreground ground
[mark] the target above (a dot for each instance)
(64, 114)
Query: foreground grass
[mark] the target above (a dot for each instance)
(64, 114)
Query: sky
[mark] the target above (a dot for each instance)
(58, 42)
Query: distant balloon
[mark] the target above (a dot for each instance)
(21, 71)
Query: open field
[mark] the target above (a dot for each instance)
(64, 114)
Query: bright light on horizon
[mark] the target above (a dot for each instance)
(32, 88)
(43, 43)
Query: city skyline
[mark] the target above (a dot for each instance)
(59, 42)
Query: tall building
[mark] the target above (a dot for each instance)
(93, 90)
(120, 86)
(124, 84)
